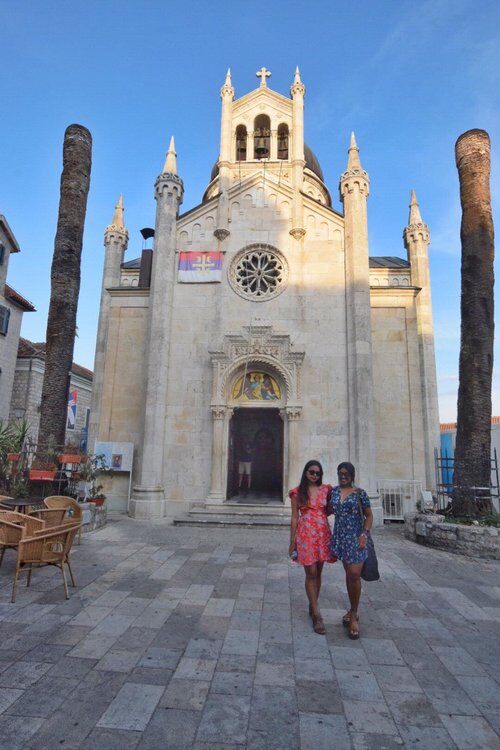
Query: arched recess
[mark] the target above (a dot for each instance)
(283, 141)
(262, 137)
(241, 143)
(259, 350)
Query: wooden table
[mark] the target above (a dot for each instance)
(23, 504)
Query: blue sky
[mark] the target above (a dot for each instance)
(408, 77)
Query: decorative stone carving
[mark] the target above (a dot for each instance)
(218, 412)
(353, 176)
(168, 177)
(258, 345)
(221, 234)
(414, 232)
(297, 232)
(258, 272)
(293, 413)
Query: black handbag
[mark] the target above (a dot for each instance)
(369, 571)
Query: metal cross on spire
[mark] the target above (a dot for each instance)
(263, 74)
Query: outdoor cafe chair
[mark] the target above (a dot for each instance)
(5, 497)
(47, 547)
(51, 516)
(13, 526)
(70, 505)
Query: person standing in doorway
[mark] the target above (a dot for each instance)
(245, 464)
(353, 521)
(310, 534)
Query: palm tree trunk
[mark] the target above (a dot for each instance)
(473, 442)
(65, 284)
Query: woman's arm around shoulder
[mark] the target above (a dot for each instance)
(329, 500)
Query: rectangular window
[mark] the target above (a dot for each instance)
(2, 254)
(4, 319)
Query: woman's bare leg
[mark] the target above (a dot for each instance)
(353, 584)
(318, 580)
(311, 572)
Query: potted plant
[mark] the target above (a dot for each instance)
(90, 470)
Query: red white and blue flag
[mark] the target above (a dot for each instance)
(71, 410)
(200, 267)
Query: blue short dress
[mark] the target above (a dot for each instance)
(348, 525)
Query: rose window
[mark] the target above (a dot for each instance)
(258, 272)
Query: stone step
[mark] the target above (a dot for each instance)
(242, 509)
(234, 520)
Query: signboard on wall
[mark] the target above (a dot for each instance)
(117, 456)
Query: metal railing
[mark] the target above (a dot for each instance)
(444, 465)
(399, 496)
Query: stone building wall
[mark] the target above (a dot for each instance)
(27, 397)
(8, 355)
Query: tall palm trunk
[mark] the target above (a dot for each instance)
(473, 442)
(65, 284)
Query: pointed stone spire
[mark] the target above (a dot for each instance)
(171, 160)
(353, 161)
(117, 223)
(297, 87)
(227, 90)
(415, 217)
(118, 214)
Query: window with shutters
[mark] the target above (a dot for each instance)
(4, 319)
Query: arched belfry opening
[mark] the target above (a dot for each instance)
(241, 143)
(283, 141)
(262, 137)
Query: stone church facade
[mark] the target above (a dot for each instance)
(260, 319)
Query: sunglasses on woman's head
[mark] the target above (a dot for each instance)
(314, 472)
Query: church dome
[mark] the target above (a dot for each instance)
(310, 157)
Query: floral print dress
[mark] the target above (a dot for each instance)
(348, 525)
(313, 530)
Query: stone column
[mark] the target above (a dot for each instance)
(295, 459)
(273, 152)
(221, 416)
(417, 238)
(297, 91)
(148, 497)
(115, 244)
(354, 190)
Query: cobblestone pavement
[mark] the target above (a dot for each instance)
(200, 638)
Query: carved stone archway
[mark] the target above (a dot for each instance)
(257, 346)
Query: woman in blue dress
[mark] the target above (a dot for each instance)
(353, 521)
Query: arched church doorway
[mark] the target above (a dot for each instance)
(255, 456)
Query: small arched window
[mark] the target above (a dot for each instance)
(283, 141)
(262, 137)
(241, 143)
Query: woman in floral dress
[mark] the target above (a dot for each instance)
(353, 521)
(310, 534)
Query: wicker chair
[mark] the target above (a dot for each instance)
(5, 497)
(10, 524)
(73, 508)
(47, 547)
(51, 516)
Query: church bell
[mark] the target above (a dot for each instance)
(260, 147)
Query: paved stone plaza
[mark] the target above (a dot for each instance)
(200, 638)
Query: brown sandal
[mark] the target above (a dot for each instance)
(353, 628)
(318, 624)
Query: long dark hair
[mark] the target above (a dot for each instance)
(304, 482)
